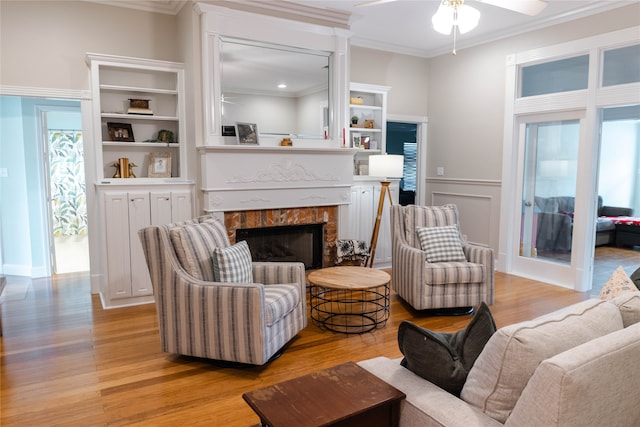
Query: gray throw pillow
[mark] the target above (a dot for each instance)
(233, 264)
(441, 358)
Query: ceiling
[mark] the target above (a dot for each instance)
(404, 26)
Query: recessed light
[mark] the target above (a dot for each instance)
(282, 85)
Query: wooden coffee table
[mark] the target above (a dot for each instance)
(343, 396)
(349, 299)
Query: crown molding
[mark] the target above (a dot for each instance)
(168, 7)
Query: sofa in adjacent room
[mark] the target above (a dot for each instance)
(554, 223)
(574, 367)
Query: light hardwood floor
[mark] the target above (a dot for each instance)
(66, 361)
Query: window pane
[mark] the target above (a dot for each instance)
(556, 76)
(621, 66)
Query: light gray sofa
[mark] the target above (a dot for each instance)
(578, 366)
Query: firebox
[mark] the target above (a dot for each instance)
(301, 243)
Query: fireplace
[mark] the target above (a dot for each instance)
(322, 217)
(301, 243)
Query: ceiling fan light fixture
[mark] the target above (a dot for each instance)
(453, 13)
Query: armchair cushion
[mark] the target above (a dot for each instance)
(280, 300)
(194, 245)
(441, 244)
(427, 216)
(233, 264)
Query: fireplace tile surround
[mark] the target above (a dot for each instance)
(289, 216)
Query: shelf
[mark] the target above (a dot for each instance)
(126, 89)
(139, 144)
(365, 107)
(138, 117)
(370, 130)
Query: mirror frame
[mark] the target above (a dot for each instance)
(218, 23)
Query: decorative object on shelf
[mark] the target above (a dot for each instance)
(354, 120)
(139, 106)
(120, 132)
(286, 142)
(356, 100)
(124, 168)
(159, 165)
(385, 166)
(369, 123)
(355, 140)
(365, 141)
(247, 133)
(228, 130)
(165, 136)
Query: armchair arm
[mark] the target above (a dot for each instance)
(482, 255)
(407, 270)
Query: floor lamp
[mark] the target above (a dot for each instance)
(385, 166)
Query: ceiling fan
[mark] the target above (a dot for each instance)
(454, 15)
(528, 7)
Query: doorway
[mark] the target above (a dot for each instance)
(407, 136)
(66, 190)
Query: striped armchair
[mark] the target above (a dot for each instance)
(245, 323)
(437, 285)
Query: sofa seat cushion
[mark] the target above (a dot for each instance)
(453, 273)
(280, 300)
(604, 224)
(194, 245)
(504, 367)
(592, 384)
(426, 404)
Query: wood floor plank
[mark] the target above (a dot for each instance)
(66, 361)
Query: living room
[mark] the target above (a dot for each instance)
(49, 62)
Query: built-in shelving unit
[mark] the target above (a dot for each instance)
(115, 81)
(367, 103)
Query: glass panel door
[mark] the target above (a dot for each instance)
(548, 179)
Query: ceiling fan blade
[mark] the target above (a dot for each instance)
(373, 2)
(528, 7)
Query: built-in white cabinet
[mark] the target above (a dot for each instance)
(368, 123)
(126, 278)
(365, 196)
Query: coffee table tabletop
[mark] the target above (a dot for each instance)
(349, 277)
(344, 395)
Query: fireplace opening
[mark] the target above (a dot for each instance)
(300, 243)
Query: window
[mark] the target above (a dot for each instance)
(621, 66)
(556, 76)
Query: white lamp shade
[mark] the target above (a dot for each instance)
(445, 19)
(386, 165)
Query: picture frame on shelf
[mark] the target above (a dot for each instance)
(121, 132)
(355, 139)
(365, 140)
(159, 165)
(247, 133)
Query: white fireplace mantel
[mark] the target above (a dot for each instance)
(237, 178)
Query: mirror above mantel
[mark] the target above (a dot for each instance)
(282, 89)
(245, 56)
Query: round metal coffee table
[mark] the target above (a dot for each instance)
(349, 299)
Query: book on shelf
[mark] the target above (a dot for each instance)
(141, 111)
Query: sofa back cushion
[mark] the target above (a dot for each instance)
(194, 245)
(593, 384)
(502, 370)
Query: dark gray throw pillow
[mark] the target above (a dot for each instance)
(441, 358)
(635, 278)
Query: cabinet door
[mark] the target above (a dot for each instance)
(139, 217)
(161, 211)
(181, 203)
(361, 213)
(116, 214)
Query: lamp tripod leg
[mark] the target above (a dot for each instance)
(376, 228)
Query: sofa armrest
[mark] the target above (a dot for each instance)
(426, 404)
(615, 211)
